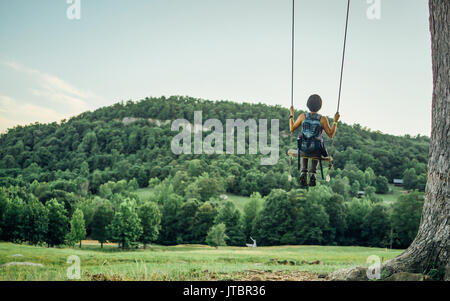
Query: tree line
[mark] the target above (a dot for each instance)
(169, 216)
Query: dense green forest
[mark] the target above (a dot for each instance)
(91, 166)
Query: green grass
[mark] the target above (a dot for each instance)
(184, 262)
(239, 201)
(392, 195)
(144, 193)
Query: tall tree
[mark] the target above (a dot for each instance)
(216, 236)
(169, 223)
(336, 210)
(13, 220)
(410, 178)
(358, 209)
(186, 220)
(405, 218)
(58, 223)
(126, 226)
(77, 228)
(35, 222)
(231, 217)
(3, 206)
(102, 218)
(375, 227)
(310, 218)
(203, 221)
(275, 220)
(151, 219)
(251, 210)
(431, 247)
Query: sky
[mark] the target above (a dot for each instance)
(52, 67)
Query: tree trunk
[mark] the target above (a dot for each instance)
(80, 244)
(431, 247)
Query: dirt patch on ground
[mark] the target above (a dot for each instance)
(292, 262)
(249, 275)
(258, 275)
(32, 264)
(102, 277)
(95, 242)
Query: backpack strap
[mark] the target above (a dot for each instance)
(321, 167)
(299, 145)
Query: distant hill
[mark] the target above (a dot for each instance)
(132, 140)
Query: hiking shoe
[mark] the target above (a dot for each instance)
(303, 179)
(312, 180)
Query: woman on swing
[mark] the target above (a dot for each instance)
(315, 124)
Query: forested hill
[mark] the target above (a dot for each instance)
(132, 141)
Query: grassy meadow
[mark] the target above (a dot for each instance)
(394, 193)
(188, 262)
(184, 262)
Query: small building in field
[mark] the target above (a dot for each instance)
(398, 182)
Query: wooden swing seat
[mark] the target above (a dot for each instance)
(294, 153)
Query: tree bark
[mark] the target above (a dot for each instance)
(431, 247)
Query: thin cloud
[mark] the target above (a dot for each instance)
(47, 98)
(14, 112)
(57, 90)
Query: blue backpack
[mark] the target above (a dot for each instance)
(310, 142)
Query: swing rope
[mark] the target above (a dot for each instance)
(292, 82)
(292, 53)
(340, 80)
(343, 55)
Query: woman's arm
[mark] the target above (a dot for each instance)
(293, 126)
(326, 126)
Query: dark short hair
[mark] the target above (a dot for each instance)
(314, 103)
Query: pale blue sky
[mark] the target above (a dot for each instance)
(239, 50)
